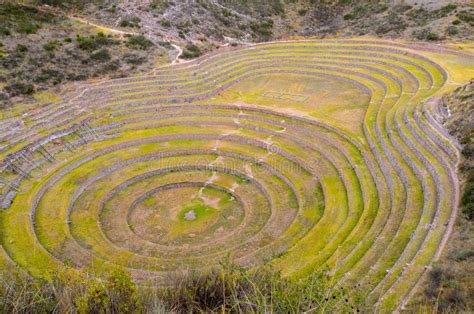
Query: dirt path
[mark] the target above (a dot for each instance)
(180, 52)
(106, 28)
(123, 33)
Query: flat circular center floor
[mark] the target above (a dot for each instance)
(186, 215)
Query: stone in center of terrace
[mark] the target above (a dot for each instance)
(190, 215)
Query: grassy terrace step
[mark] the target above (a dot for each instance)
(282, 179)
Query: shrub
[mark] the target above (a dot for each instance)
(442, 288)
(420, 16)
(3, 98)
(139, 42)
(124, 23)
(191, 51)
(263, 29)
(86, 43)
(134, 59)
(49, 75)
(165, 44)
(111, 66)
(447, 9)
(101, 55)
(466, 16)
(467, 200)
(21, 18)
(349, 16)
(51, 45)
(425, 34)
(20, 88)
(17, 292)
(462, 255)
(393, 22)
(27, 27)
(122, 292)
(452, 30)
(302, 12)
(112, 9)
(432, 36)
(21, 48)
(165, 23)
(379, 8)
(226, 12)
(4, 31)
(94, 42)
(105, 40)
(133, 22)
(365, 9)
(95, 300)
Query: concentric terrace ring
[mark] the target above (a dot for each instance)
(209, 160)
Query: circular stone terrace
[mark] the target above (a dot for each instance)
(308, 155)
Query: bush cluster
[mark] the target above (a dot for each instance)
(191, 51)
(69, 292)
(139, 42)
(19, 88)
(443, 293)
(227, 288)
(94, 42)
(425, 34)
(467, 17)
(15, 17)
(51, 45)
(101, 55)
(131, 22)
(263, 29)
(422, 16)
(467, 201)
(363, 10)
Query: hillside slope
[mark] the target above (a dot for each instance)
(46, 43)
(450, 284)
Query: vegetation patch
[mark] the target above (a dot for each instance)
(191, 51)
(222, 289)
(22, 19)
(139, 42)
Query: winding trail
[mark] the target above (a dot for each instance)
(106, 28)
(180, 52)
(124, 33)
